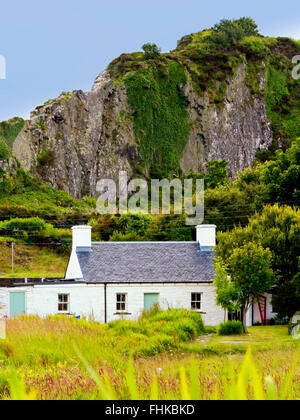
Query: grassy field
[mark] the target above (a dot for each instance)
(32, 261)
(158, 357)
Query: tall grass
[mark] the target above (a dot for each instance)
(64, 358)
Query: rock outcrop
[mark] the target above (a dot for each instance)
(234, 131)
(79, 138)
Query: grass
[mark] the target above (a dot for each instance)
(156, 357)
(32, 261)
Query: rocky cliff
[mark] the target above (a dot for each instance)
(157, 117)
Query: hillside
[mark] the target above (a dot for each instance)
(221, 94)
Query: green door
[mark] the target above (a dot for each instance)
(150, 300)
(16, 304)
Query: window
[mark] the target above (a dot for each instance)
(196, 301)
(121, 302)
(64, 303)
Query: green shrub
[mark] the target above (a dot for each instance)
(151, 51)
(4, 150)
(231, 328)
(46, 158)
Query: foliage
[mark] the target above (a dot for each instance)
(133, 223)
(34, 230)
(215, 176)
(249, 267)
(46, 158)
(125, 237)
(282, 99)
(151, 51)
(231, 328)
(229, 32)
(33, 260)
(21, 195)
(10, 129)
(226, 290)
(258, 45)
(4, 150)
(278, 179)
(278, 229)
(160, 116)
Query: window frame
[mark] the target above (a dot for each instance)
(194, 301)
(63, 303)
(121, 302)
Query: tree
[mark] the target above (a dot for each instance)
(278, 229)
(217, 173)
(133, 223)
(151, 51)
(227, 292)
(228, 32)
(251, 276)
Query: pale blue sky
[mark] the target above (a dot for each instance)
(62, 45)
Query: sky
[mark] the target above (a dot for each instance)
(62, 45)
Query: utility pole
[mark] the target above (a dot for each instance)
(12, 259)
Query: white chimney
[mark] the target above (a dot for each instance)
(82, 242)
(206, 236)
(82, 238)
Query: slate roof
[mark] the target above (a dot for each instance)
(145, 262)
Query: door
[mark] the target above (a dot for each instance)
(16, 304)
(150, 300)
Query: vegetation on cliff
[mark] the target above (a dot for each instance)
(10, 129)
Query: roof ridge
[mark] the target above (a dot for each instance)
(147, 242)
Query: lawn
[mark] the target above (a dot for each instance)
(158, 357)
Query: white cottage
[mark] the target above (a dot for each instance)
(111, 280)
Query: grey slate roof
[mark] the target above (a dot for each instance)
(145, 262)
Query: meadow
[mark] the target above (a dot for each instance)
(32, 261)
(164, 355)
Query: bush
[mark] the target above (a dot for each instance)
(231, 328)
(151, 51)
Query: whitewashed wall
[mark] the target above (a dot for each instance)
(170, 296)
(88, 300)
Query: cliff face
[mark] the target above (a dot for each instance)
(221, 94)
(234, 131)
(79, 138)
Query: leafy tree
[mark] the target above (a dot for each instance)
(227, 292)
(251, 276)
(217, 173)
(229, 32)
(278, 229)
(248, 26)
(133, 223)
(151, 51)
